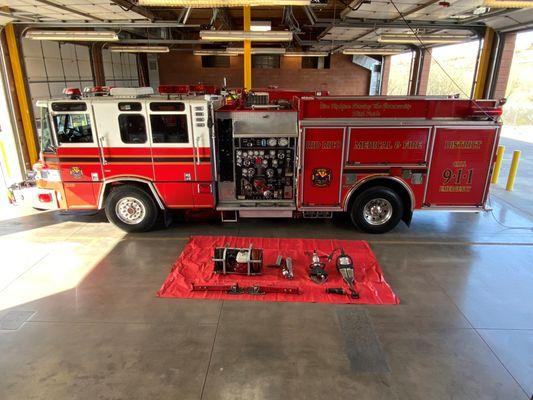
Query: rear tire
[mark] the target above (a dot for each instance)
(131, 208)
(377, 210)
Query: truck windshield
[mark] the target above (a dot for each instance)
(46, 141)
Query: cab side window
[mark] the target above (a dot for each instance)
(73, 128)
(132, 128)
(169, 128)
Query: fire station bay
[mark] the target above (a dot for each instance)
(266, 200)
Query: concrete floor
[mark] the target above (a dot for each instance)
(79, 318)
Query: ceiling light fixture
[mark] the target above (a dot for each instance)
(426, 39)
(260, 26)
(257, 50)
(74, 36)
(139, 49)
(213, 52)
(307, 54)
(221, 3)
(241, 36)
(374, 51)
(508, 4)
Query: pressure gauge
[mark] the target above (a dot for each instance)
(272, 142)
(239, 152)
(261, 153)
(265, 163)
(244, 153)
(273, 153)
(283, 142)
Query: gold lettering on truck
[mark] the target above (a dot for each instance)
(463, 144)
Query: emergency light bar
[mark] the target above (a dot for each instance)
(73, 93)
(241, 36)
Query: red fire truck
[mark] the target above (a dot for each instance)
(266, 153)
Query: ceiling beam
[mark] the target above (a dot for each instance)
(380, 23)
(128, 5)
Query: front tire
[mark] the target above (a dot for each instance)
(377, 210)
(131, 208)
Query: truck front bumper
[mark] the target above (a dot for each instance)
(26, 194)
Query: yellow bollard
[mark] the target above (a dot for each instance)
(498, 165)
(513, 171)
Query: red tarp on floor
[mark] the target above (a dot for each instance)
(194, 265)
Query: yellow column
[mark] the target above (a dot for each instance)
(498, 164)
(483, 65)
(20, 89)
(247, 49)
(513, 170)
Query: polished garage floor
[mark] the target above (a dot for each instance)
(79, 318)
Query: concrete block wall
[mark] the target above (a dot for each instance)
(343, 77)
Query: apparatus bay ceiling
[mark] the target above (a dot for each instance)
(331, 26)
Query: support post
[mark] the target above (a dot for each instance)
(513, 170)
(483, 65)
(247, 14)
(498, 165)
(20, 89)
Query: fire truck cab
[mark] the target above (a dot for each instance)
(264, 154)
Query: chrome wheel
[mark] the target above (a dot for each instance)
(377, 211)
(130, 210)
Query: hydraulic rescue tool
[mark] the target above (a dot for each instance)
(236, 289)
(345, 267)
(285, 265)
(317, 268)
(229, 260)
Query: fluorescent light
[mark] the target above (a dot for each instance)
(83, 36)
(212, 52)
(257, 50)
(240, 36)
(139, 49)
(260, 26)
(375, 51)
(427, 39)
(508, 4)
(221, 3)
(307, 54)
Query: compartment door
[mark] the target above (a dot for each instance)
(460, 166)
(322, 167)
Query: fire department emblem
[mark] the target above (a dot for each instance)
(321, 177)
(76, 172)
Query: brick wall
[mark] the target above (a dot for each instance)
(343, 77)
(502, 77)
(424, 74)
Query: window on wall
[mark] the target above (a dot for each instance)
(169, 128)
(400, 70)
(215, 62)
(316, 62)
(459, 62)
(266, 61)
(132, 128)
(73, 128)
